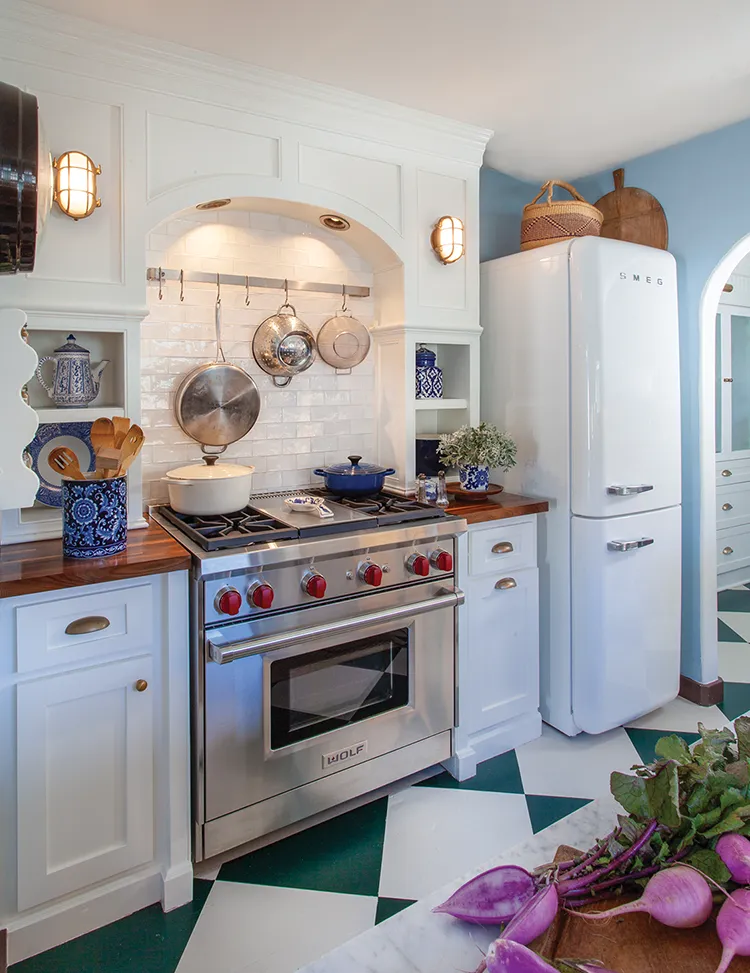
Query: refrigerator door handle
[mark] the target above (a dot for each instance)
(629, 491)
(629, 545)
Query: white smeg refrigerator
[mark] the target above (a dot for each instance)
(580, 363)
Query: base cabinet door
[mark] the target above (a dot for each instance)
(503, 640)
(85, 778)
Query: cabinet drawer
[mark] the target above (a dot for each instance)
(733, 505)
(735, 541)
(74, 628)
(732, 471)
(510, 546)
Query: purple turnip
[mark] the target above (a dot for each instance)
(734, 851)
(733, 927)
(494, 896)
(679, 897)
(506, 956)
(533, 918)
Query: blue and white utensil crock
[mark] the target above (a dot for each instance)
(474, 478)
(429, 375)
(75, 382)
(95, 516)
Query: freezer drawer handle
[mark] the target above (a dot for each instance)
(629, 491)
(629, 545)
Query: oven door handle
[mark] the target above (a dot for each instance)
(449, 598)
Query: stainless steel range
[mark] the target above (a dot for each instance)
(322, 656)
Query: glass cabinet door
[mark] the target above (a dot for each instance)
(740, 344)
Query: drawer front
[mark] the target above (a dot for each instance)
(732, 471)
(76, 628)
(733, 506)
(732, 548)
(509, 546)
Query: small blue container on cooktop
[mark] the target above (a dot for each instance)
(429, 375)
(95, 517)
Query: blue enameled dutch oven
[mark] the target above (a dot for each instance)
(354, 479)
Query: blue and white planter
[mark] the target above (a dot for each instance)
(95, 517)
(474, 478)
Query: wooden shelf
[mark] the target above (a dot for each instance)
(441, 404)
(78, 415)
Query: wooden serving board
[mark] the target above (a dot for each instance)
(633, 215)
(635, 943)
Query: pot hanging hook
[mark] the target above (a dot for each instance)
(182, 285)
(218, 290)
(343, 299)
(247, 292)
(161, 296)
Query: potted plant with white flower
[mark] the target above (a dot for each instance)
(474, 449)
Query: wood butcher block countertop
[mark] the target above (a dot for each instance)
(40, 566)
(497, 507)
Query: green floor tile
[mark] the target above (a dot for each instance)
(734, 600)
(149, 941)
(644, 741)
(727, 634)
(736, 699)
(544, 810)
(499, 774)
(340, 855)
(389, 907)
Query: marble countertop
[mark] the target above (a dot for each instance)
(418, 941)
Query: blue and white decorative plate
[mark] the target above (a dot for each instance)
(50, 435)
(309, 505)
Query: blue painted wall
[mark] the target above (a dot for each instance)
(501, 202)
(704, 187)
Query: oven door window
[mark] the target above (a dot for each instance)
(330, 688)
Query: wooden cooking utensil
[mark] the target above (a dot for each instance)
(130, 448)
(121, 426)
(633, 215)
(64, 461)
(102, 434)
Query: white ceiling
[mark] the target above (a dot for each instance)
(568, 87)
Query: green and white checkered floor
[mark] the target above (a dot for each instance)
(288, 903)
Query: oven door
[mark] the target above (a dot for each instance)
(330, 697)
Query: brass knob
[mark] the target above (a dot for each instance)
(87, 625)
(504, 583)
(726, 506)
(141, 686)
(504, 547)
(728, 550)
(728, 379)
(726, 472)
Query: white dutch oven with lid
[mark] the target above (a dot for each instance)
(211, 488)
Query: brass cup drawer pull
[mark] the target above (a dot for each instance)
(728, 550)
(504, 547)
(141, 686)
(87, 625)
(726, 472)
(726, 506)
(504, 583)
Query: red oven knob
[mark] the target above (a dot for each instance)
(261, 595)
(228, 601)
(441, 560)
(314, 584)
(418, 564)
(371, 574)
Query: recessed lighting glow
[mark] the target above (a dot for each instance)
(214, 204)
(332, 222)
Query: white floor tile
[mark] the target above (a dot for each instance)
(263, 929)
(578, 766)
(683, 716)
(739, 622)
(433, 834)
(734, 661)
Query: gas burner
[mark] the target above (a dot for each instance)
(219, 531)
(387, 507)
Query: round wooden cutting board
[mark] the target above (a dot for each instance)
(633, 215)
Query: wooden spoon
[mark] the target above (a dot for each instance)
(130, 448)
(102, 434)
(64, 461)
(121, 428)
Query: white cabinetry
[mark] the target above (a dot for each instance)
(498, 642)
(94, 757)
(733, 445)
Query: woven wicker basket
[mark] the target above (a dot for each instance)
(555, 220)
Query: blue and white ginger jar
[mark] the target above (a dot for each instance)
(429, 375)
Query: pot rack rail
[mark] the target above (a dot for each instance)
(161, 274)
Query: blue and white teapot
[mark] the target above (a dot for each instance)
(75, 382)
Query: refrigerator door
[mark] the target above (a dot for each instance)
(624, 379)
(625, 616)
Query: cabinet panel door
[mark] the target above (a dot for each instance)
(85, 778)
(740, 352)
(503, 642)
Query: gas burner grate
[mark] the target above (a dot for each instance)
(220, 531)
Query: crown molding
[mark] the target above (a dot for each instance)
(49, 39)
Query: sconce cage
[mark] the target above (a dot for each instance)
(75, 184)
(448, 239)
